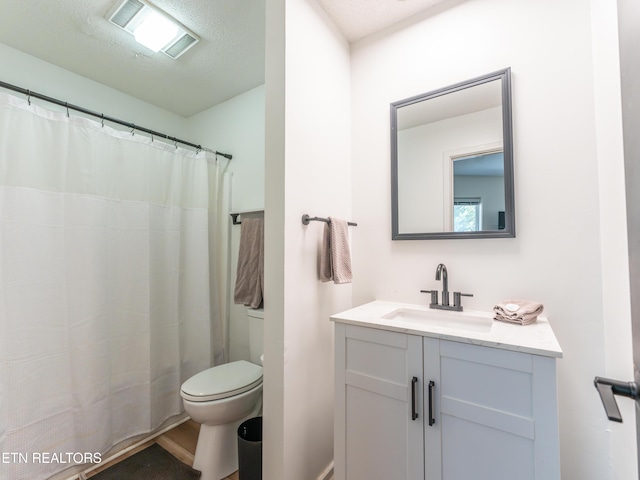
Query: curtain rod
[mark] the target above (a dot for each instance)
(104, 117)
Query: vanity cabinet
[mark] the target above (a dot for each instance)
(415, 407)
(376, 437)
(494, 413)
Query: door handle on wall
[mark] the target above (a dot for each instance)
(607, 388)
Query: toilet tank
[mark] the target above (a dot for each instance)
(256, 334)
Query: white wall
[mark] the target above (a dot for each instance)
(307, 171)
(237, 127)
(29, 72)
(557, 256)
(273, 445)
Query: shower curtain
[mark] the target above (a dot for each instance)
(111, 249)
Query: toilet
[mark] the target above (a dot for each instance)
(220, 399)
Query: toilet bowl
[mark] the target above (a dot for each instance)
(220, 399)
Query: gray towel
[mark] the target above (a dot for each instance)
(250, 276)
(335, 257)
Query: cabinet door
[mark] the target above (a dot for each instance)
(497, 414)
(378, 418)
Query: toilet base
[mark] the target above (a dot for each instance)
(217, 448)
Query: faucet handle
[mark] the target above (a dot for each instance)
(434, 295)
(456, 298)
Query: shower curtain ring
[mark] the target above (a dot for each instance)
(133, 129)
(29, 96)
(102, 115)
(66, 104)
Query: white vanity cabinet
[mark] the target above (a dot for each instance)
(375, 436)
(494, 413)
(490, 414)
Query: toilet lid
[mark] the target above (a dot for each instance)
(222, 381)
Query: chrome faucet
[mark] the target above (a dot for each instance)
(441, 273)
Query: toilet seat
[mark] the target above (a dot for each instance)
(223, 381)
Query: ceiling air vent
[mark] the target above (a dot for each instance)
(180, 46)
(126, 12)
(138, 16)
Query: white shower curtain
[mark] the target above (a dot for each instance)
(106, 304)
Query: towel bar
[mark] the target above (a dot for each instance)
(234, 216)
(306, 219)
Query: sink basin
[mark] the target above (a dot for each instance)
(442, 319)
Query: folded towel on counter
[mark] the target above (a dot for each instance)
(250, 274)
(335, 256)
(520, 312)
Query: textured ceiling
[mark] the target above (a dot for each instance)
(229, 60)
(75, 35)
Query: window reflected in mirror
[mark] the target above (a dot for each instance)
(478, 192)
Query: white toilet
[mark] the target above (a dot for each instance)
(220, 399)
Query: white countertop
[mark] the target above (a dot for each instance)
(537, 338)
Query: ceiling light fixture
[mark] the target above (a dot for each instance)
(155, 31)
(153, 28)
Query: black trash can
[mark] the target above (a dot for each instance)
(250, 449)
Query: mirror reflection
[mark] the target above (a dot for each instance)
(452, 162)
(478, 193)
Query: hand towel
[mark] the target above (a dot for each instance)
(520, 312)
(335, 256)
(326, 272)
(250, 273)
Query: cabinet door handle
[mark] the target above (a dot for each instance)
(432, 387)
(414, 401)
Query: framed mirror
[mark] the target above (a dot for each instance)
(452, 162)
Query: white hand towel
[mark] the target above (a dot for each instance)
(335, 256)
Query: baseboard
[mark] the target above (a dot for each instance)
(327, 474)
